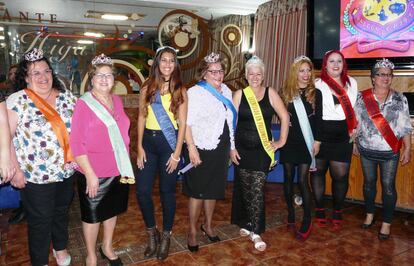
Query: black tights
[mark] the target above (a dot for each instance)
(340, 176)
(303, 173)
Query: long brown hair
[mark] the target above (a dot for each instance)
(291, 87)
(155, 79)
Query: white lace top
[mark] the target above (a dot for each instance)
(206, 116)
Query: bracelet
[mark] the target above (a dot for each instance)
(176, 160)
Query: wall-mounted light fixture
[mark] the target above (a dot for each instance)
(85, 42)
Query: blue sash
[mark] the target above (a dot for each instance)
(164, 121)
(305, 128)
(221, 98)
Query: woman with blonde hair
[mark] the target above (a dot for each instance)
(298, 155)
(255, 150)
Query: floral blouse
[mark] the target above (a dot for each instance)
(38, 151)
(394, 110)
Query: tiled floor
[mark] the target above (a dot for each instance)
(351, 246)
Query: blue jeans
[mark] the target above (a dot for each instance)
(388, 163)
(158, 152)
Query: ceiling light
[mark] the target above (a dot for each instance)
(94, 34)
(1, 28)
(114, 17)
(85, 42)
(1, 37)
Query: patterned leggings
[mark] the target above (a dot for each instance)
(252, 185)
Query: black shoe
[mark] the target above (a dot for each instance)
(192, 248)
(211, 238)
(367, 226)
(382, 236)
(153, 242)
(164, 248)
(114, 262)
(19, 217)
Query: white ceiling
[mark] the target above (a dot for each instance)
(71, 13)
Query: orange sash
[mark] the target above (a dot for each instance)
(379, 120)
(58, 126)
(343, 98)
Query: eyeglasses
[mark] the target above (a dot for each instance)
(215, 72)
(384, 75)
(104, 76)
(38, 74)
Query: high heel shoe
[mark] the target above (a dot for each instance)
(382, 236)
(337, 221)
(303, 236)
(192, 248)
(211, 238)
(367, 226)
(112, 262)
(321, 221)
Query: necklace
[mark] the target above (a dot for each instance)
(50, 92)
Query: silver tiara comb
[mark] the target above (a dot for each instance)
(166, 47)
(301, 58)
(212, 58)
(34, 55)
(102, 59)
(385, 63)
(254, 60)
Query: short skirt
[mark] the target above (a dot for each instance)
(340, 152)
(111, 199)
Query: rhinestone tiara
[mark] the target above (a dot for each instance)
(301, 58)
(33, 55)
(254, 60)
(166, 47)
(102, 59)
(385, 63)
(212, 58)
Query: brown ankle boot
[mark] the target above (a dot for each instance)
(153, 242)
(162, 253)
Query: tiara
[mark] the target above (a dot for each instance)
(166, 47)
(102, 59)
(212, 58)
(254, 60)
(385, 63)
(301, 58)
(33, 55)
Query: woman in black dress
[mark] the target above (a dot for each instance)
(251, 161)
(298, 153)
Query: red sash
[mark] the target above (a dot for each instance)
(379, 121)
(343, 98)
(58, 126)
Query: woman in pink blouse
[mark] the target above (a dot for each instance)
(102, 197)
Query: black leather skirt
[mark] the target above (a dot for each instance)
(111, 199)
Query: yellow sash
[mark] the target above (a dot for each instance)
(260, 123)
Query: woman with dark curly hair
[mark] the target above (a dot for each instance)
(40, 116)
(161, 127)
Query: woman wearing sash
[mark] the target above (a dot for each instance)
(255, 149)
(40, 120)
(100, 144)
(209, 136)
(335, 123)
(384, 125)
(298, 155)
(163, 111)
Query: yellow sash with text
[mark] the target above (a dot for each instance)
(260, 123)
